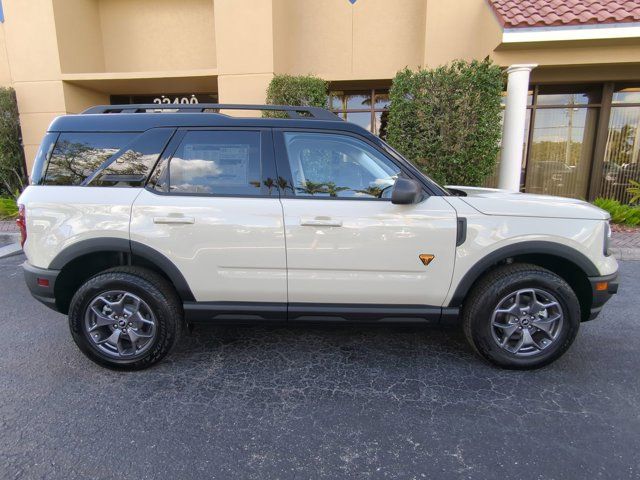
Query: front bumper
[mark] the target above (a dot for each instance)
(41, 283)
(602, 295)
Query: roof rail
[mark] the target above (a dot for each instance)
(297, 112)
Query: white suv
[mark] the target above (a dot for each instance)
(139, 222)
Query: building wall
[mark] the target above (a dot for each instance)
(468, 31)
(80, 45)
(338, 41)
(62, 56)
(156, 35)
(34, 67)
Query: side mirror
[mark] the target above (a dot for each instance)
(406, 191)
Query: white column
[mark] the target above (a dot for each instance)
(515, 115)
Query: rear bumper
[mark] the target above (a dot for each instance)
(41, 283)
(600, 297)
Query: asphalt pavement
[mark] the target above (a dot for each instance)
(317, 402)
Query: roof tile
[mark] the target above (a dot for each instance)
(548, 13)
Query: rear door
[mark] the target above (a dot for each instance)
(212, 208)
(347, 244)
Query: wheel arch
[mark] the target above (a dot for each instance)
(573, 266)
(83, 259)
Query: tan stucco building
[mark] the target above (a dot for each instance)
(583, 112)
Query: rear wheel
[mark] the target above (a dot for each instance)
(521, 316)
(125, 318)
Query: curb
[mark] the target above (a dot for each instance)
(10, 250)
(625, 253)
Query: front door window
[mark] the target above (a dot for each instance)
(333, 165)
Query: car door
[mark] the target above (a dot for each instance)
(212, 209)
(349, 249)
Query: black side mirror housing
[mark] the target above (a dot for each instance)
(406, 191)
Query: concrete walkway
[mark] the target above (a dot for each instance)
(8, 226)
(625, 245)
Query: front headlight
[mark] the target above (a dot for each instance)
(607, 239)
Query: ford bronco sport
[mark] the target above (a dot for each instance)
(139, 221)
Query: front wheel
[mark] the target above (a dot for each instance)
(125, 318)
(521, 316)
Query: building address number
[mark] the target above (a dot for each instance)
(183, 100)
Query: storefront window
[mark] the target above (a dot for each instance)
(559, 158)
(567, 95)
(559, 137)
(621, 160)
(367, 108)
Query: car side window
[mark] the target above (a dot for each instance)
(77, 155)
(220, 162)
(334, 165)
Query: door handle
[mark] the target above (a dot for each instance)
(174, 220)
(320, 222)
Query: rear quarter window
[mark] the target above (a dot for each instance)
(77, 155)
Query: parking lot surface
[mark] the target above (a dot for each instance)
(317, 402)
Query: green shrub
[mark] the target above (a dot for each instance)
(620, 213)
(634, 191)
(13, 177)
(305, 90)
(8, 208)
(447, 120)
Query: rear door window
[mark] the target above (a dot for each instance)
(225, 162)
(131, 166)
(77, 155)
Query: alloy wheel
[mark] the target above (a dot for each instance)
(120, 324)
(527, 321)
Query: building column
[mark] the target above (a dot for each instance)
(515, 115)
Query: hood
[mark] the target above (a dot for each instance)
(492, 201)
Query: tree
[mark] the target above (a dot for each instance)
(13, 175)
(305, 90)
(447, 120)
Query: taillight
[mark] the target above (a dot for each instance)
(21, 221)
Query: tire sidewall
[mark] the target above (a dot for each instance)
(165, 323)
(481, 323)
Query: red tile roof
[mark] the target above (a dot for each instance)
(552, 13)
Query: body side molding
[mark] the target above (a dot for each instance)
(257, 312)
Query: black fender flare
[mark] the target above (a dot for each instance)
(110, 244)
(523, 248)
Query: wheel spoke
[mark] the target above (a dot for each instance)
(512, 310)
(546, 324)
(111, 339)
(100, 318)
(538, 307)
(135, 335)
(137, 317)
(507, 329)
(519, 302)
(134, 303)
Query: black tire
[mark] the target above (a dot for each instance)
(153, 289)
(499, 283)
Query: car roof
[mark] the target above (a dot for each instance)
(139, 122)
(138, 118)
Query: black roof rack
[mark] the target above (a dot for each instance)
(297, 112)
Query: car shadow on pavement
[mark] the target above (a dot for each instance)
(301, 344)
